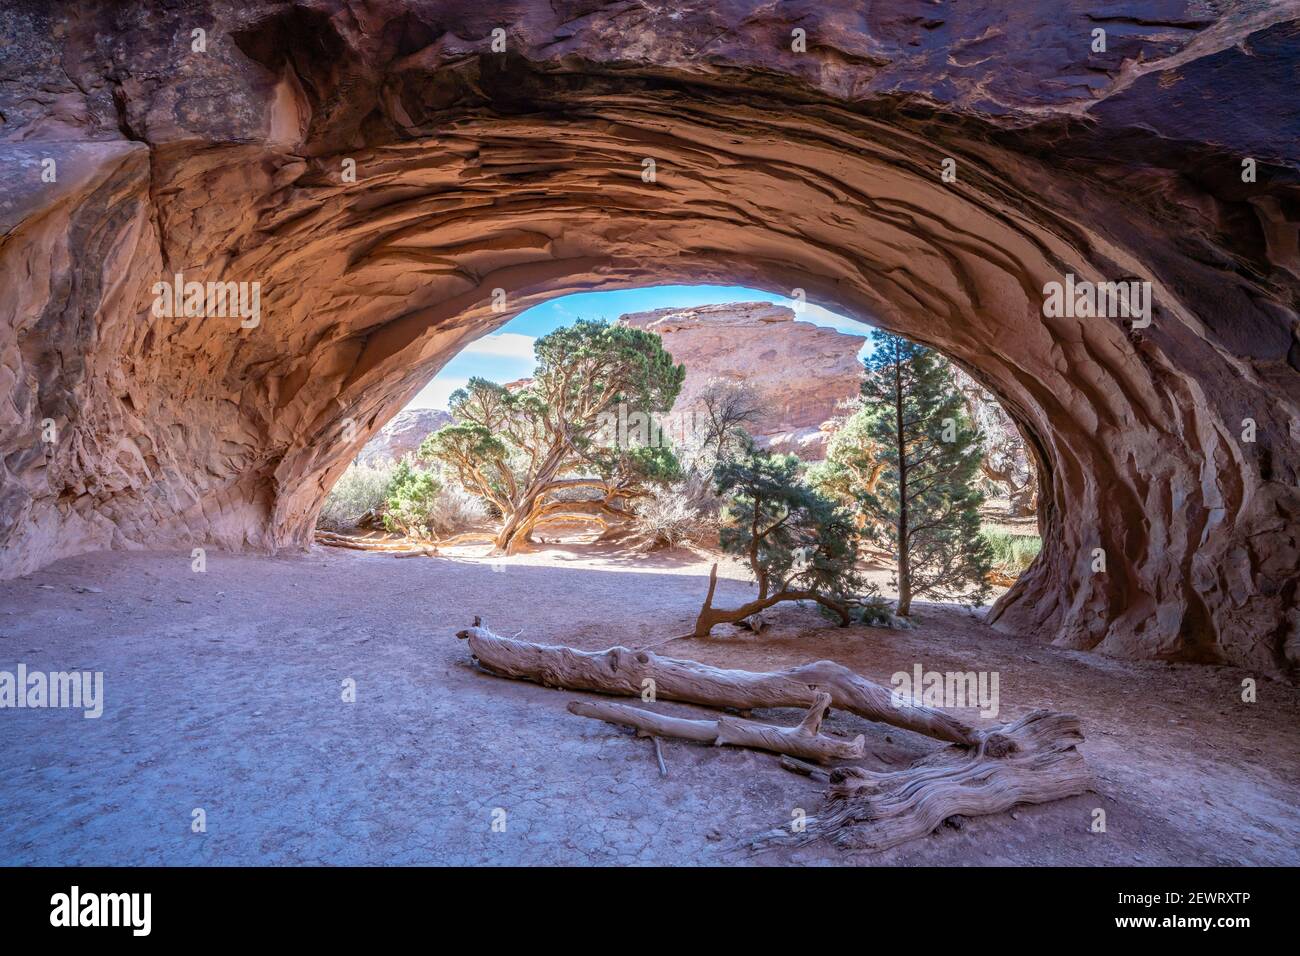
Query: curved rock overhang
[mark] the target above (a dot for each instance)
(525, 171)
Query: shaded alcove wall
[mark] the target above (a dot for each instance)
(523, 171)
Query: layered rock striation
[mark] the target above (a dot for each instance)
(401, 176)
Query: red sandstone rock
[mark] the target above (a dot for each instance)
(799, 374)
(403, 434)
(523, 171)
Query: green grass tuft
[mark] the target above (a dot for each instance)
(1012, 553)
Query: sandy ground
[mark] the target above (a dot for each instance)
(223, 693)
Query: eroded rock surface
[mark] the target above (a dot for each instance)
(1171, 448)
(798, 375)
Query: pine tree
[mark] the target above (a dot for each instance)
(924, 505)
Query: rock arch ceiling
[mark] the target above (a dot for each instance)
(523, 171)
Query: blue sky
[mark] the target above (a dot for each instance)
(507, 354)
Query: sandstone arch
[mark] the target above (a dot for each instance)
(523, 171)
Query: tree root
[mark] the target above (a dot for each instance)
(874, 811)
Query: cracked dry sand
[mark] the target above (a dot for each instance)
(223, 692)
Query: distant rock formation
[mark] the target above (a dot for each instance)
(402, 435)
(799, 373)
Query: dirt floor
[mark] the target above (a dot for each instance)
(224, 693)
(996, 515)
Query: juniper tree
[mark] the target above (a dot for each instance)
(925, 505)
(526, 452)
(798, 544)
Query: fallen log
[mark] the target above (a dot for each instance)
(804, 740)
(342, 541)
(1032, 760)
(397, 547)
(361, 542)
(624, 672)
(871, 810)
(481, 537)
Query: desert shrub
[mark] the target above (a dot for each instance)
(424, 504)
(701, 454)
(408, 499)
(702, 495)
(667, 518)
(412, 500)
(360, 489)
(1012, 553)
(456, 510)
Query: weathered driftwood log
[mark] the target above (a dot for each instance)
(1032, 760)
(398, 548)
(625, 672)
(804, 740)
(874, 811)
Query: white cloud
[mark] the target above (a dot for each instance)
(437, 392)
(502, 345)
(819, 315)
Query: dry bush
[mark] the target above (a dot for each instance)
(667, 519)
(360, 489)
(456, 510)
